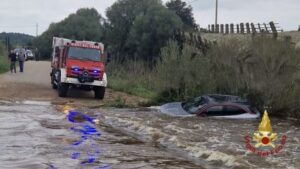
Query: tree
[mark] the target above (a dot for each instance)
(150, 32)
(184, 12)
(85, 24)
(139, 28)
(121, 16)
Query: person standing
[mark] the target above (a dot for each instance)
(22, 54)
(13, 60)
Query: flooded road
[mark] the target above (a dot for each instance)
(214, 143)
(37, 135)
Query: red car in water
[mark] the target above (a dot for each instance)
(222, 106)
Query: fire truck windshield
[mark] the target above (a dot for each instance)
(84, 54)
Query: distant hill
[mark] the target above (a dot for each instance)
(17, 39)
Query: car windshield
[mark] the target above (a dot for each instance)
(194, 105)
(84, 54)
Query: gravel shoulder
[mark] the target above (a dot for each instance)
(34, 84)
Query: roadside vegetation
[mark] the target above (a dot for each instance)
(4, 62)
(263, 70)
(150, 60)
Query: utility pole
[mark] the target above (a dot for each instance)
(37, 29)
(216, 19)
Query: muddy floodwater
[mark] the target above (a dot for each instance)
(39, 135)
(214, 143)
(35, 135)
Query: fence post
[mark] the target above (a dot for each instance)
(213, 28)
(248, 28)
(231, 28)
(242, 28)
(222, 28)
(218, 28)
(237, 28)
(259, 28)
(274, 31)
(253, 29)
(227, 28)
(267, 30)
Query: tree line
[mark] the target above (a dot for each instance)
(13, 40)
(131, 30)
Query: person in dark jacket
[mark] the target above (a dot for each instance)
(13, 60)
(22, 57)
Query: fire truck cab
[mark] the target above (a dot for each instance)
(78, 64)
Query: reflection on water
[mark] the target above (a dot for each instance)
(85, 147)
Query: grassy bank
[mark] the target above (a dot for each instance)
(262, 70)
(4, 62)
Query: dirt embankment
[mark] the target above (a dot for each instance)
(34, 84)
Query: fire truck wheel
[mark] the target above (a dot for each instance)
(99, 92)
(54, 86)
(63, 89)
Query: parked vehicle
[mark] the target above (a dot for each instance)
(29, 55)
(224, 106)
(78, 64)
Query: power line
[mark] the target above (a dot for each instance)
(37, 29)
(216, 19)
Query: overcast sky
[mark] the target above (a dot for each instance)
(22, 15)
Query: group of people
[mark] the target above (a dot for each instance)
(14, 57)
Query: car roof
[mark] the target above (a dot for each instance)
(218, 98)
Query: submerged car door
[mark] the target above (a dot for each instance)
(216, 110)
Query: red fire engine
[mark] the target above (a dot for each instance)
(78, 64)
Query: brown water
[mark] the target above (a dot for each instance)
(35, 135)
(214, 143)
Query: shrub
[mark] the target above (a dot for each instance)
(263, 70)
(4, 62)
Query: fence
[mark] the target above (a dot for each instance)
(245, 28)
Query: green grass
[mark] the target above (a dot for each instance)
(4, 64)
(130, 87)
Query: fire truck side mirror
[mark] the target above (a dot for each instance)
(56, 51)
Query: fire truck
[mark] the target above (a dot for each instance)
(78, 64)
